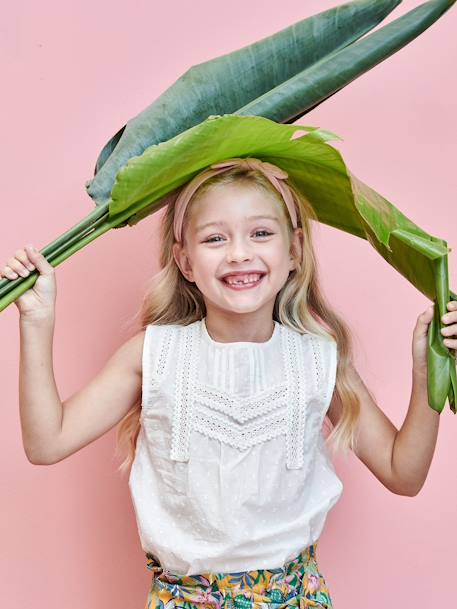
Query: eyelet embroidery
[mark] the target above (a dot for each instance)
(243, 436)
(184, 392)
(316, 346)
(241, 408)
(164, 349)
(298, 388)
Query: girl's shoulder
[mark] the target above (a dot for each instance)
(133, 349)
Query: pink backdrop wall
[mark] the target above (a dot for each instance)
(72, 74)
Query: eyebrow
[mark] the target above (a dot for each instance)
(223, 223)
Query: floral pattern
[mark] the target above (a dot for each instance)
(298, 583)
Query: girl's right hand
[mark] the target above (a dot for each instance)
(38, 302)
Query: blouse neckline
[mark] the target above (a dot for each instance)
(241, 343)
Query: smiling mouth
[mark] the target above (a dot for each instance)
(243, 281)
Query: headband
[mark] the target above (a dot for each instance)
(273, 173)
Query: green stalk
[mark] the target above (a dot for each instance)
(94, 225)
(59, 245)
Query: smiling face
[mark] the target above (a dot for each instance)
(237, 248)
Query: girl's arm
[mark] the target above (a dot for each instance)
(53, 430)
(102, 403)
(39, 402)
(400, 459)
(415, 441)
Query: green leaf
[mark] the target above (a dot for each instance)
(280, 77)
(227, 83)
(338, 197)
(304, 91)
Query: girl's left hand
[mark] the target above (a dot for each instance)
(448, 332)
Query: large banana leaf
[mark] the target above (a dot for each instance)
(228, 83)
(151, 180)
(280, 77)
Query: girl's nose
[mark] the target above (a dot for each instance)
(238, 251)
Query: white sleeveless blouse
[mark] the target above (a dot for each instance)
(231, 472)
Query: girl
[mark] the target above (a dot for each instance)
(223, 395)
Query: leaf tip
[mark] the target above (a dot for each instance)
(297, 134)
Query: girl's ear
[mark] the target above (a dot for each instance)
(296, 248)
(183, 262)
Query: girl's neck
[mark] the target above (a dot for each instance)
(255, 328)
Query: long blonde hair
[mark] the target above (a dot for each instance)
(171, 299)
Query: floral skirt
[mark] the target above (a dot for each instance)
(297, 584)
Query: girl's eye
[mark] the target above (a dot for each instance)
(264, 231)
(265, 234)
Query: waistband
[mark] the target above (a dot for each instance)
(280, 582)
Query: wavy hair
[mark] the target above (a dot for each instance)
(300, 304)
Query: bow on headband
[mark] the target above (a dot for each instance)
(271, 172)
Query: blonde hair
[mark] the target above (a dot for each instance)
(171, 299)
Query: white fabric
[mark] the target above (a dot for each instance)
(231, 472)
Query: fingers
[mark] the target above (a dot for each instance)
(425, 317)
(18, 265)
(24, 262)
(451, 315)
(449, 332)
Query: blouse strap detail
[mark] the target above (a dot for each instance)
(187, 358)
(146, 398)
(295, 369)
(307, 389)
(316, 347)
(157, 344)
(164, 348)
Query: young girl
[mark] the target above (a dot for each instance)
(223, 395)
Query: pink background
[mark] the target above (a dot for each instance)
(72, 74)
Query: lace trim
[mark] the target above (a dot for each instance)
(308, 391)
(184, 392)
(316, 346)
(240, 436)
(166, 337)
(241, 408)
(298, 397)
(317, 405)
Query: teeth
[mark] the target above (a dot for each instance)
(242, 281)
